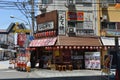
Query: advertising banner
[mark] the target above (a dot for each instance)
(92, 60)
(107, 64)
(77, 16)
(21, 38)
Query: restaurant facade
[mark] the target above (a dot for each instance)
(60, 41)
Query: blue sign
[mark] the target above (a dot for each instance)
(31, 38)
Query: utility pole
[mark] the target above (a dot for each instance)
(117, 77)
(32, 15)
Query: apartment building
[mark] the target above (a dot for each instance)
(109, 23)
(6, 43)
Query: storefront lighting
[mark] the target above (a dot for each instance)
(108, 47)
(66, 47)
(61, 47)
(91, 47)
(74, 47)
(70, 47)
(83, 47)
(96, 47)
(100, 47)
(86, 47)
(78, 47)
(58, 47)
(105, 48)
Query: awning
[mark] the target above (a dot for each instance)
(43, 42)
(109, 41)
(78, 41)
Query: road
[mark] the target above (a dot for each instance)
(7, 74)
(43, 74)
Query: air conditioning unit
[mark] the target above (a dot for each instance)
(69, 3)
(43, 8)
(104, 5)
(71, 30)
(104, 17)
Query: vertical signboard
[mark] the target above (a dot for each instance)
(21, 39)
(61, 22)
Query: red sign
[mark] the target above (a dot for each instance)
(21, 39)
(78, 16)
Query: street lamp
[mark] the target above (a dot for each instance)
(19, 19)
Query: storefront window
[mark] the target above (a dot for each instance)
(110, 25)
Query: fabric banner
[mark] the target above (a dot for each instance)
(107, 64)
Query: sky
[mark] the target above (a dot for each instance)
(5, 14)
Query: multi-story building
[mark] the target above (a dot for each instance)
(67, 33)
(8, 41)
(109, 23)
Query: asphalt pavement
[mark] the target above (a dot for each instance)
(44, 74)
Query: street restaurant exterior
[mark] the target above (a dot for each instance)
(69, 50)
(57, 44)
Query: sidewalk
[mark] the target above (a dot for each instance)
(4, 64)
(55, 73)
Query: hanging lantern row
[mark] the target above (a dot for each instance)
(73, 47)
(45, 34)
(30, 49)
(108, 47)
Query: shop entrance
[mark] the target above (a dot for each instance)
(44, 58)
(77, 59)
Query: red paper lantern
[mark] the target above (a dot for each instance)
(74, 47)
(96, 47)
(78, 47)
(100, 47)
(86, 47)
(108, 47)
(61, 47)
(57, 47)
(70, 47)
(105, 48)
(52, 33)
(83, 47)
(46, 48)
(66, 47)
(91, 47)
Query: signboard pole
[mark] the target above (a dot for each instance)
(117, 77)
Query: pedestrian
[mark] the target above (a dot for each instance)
(28, 67)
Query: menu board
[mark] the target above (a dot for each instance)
(92, 60)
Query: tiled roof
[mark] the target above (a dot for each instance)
(78, 41)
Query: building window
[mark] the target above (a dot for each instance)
(117, 1)
(110, 25)
(47, 1)
(77, 24)
(109, 1)
(83, 1)
(71, 24)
